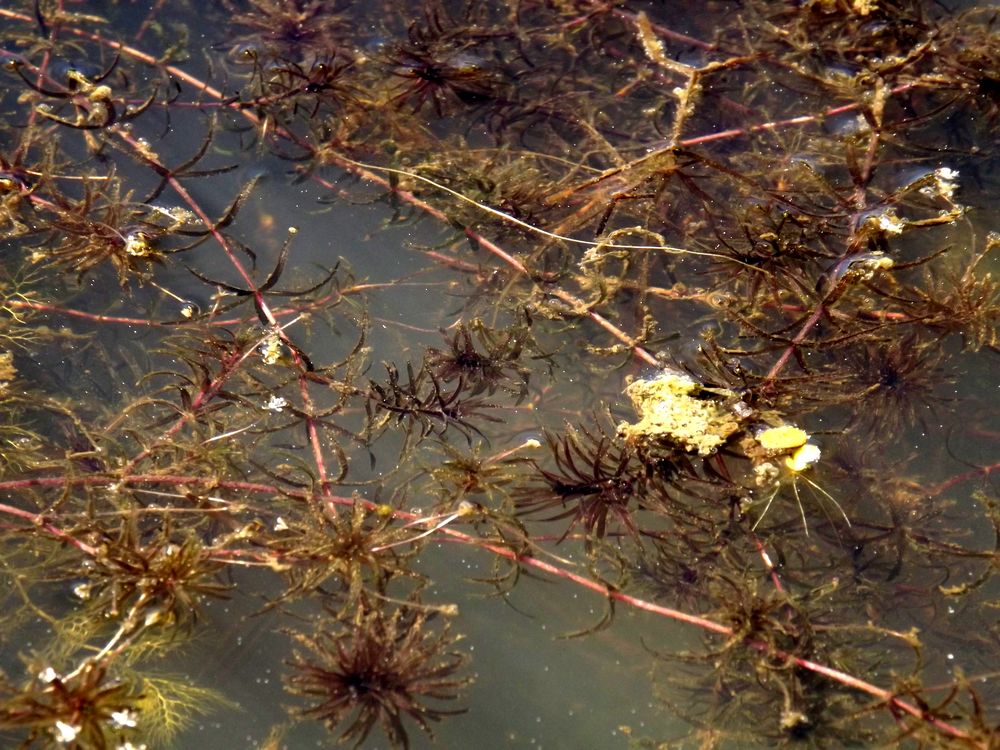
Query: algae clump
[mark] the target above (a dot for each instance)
(677, 412)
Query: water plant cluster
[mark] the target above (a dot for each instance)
(688, 306)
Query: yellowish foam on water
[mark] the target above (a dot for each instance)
(672, 415)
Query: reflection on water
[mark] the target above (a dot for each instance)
(547, 375)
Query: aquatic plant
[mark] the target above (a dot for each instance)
(715, 286)
(382, 667)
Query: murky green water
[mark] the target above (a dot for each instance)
(317, 315)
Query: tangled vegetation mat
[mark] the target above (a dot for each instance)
(546, 373)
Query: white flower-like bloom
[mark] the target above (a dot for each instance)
(130, 746)
(66, 733)
(890, 223)
(804, 457)
(178, 214)
(137, 244)
(83, 590)
(945, 183)
(124, 718)
(270, 350)
(280, 524)
(276, 403)
(48, 675)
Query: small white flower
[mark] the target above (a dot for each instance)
(270, 350)
(180, 215)
(48, 675)
(276, 403)
(137, 244)
(124, 718)
(66, 733)
(83, 590)
(945, 183)
(890, 223)
(803, 458)
(280, 524)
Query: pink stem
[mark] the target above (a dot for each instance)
(599, 588)
(514, 263)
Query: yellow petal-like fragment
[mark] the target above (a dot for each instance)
(782, 438)
(803, 458)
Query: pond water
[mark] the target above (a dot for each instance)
(462, 374)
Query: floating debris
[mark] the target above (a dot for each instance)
(677, 412)
(782, 438)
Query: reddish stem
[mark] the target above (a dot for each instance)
(41, 522)
(889, 698)
(233, 361)
(982, 471)
(259, 302)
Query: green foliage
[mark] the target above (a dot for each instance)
(169, 705)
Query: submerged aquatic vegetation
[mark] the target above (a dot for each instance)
(87, 709)
(594, 481)
(487, 359)
(716, 286)
(379, 668)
